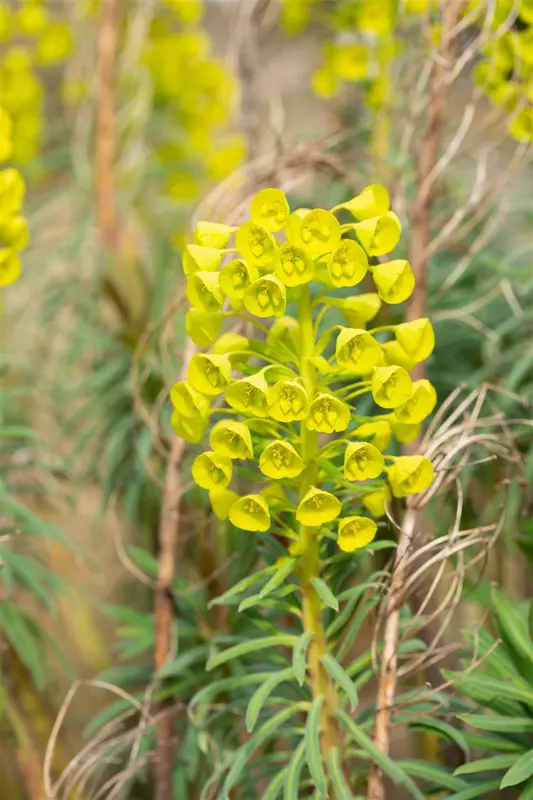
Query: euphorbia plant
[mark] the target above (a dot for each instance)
(299, 419)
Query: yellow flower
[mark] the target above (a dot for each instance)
(187, 400)
(394, 354)
(209, 374)
(417, 338)
(32, 19)
(420, 405)
(10, 268)
(285, 330)
(249, 395)
(236, 276)
(410, 475)
(357, 351)
(287, 401)
(14, 233)
(378, 432)
(270, 209)
(235, 346)
(12, 190)
(362, 461)
(203, 327)
(394, 281)
(348, 265)
(391, 386)
(222, 501)
(256, 244)
(377, 501)
(250, 513)
(279, 459)
(266, 297)
(355, 533)
(328, 414)
(294, 266)
(359, 309)
(351, 61)
(317, 507)
(203, 259)
(373, 201)
(521, 126)
(325, 82)
(211, 470)
(231, 439)
(319, 232)
(403, 431)
(55, 43)
(213, 234)
(204, 292)
(379, 235)
(192, 429)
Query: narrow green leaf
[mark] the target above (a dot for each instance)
(291, 787)
(342, 791)
(325, 593)
(283, 570)
(475, 792)
(519, 772)
(527, 794)
(432, 773)
(395, 773)
(339, 675)
(486, 722)
(313, 754)
(241, 586)
(275, 786)
(261, 695)
(208, 693)
(237, 650)
(487, 764)
(299, 656)
(182, 661)
(444, 729)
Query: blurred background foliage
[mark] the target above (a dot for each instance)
(131, 121)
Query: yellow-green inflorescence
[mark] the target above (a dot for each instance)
(285, 409)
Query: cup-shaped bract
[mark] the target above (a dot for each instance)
(348, 264)
(394, 281)
(362, 462)
(10, 267)
(416, 338)
(12, 191)
(287, 401)
(203, 327)
(410, 474)
(357, 351)
(192, 429)
(279, 459)
(211, 471)
(373, 201)
(294, 224)
(379, 235)
(266, 297)
(358, 309)
(391, 386)
(200, 259)
(420, 405)
(319, 232)
(270, 209)
(328, 414)
(256, 244)
(14, 233)
(285, 330)
(188, 401)
(212, 234)
(236, 276)
(231, 342)
(355, 533)
(250, 513)
(404, 432)
(249, 395)
(231, 439)
(377, 501)
(209, 373)
(378, 432)
(294, 266)
(395, 355)
(221, 502)
(204, 292)
(317, 507)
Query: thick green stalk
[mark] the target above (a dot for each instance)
(321, 682)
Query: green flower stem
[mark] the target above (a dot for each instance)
(321, 682)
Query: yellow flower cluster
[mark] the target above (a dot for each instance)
(197, 92)
(364, 43)
(13, 226)
(277, 396)
(505, 73)
(42, 40)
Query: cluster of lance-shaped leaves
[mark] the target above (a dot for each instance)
(247, 397)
